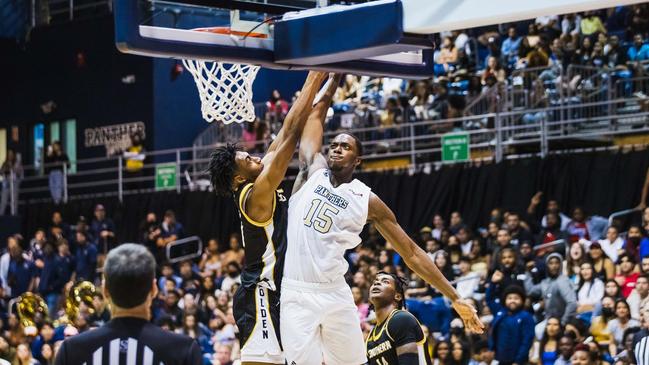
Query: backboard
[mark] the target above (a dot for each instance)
(262, 32)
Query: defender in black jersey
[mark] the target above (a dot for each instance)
(397, 338)
(263, 210)
(129, 338)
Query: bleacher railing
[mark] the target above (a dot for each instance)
(503, 135)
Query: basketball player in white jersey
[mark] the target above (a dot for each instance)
(327, 212)
(263, 211)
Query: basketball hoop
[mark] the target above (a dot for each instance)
(225, 89)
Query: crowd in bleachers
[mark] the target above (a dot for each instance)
(526, 57)
(542, 280)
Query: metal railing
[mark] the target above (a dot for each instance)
(44, 12)
(416, 145)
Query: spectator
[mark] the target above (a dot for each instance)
(590, 291)
(191, 280)
(24, 356)
(438, 227)
(12, 174)
(37, 244)
(559, 296)
(591, 24)
(234, 253)
(644, 265)
(150, 232)
(102, 313)
(635, 242)
(349, 91)
(47, 285)
(584, 53)
(627, 277)
(210, 264)
(493, 70)
(512, 327)
(134, 156)
(621, 322)
(441, 353)
(532, 38)
(571, 25)
(552, 233)
(456, 223)
(223, 355)
(443, 263)
(55, 161)
(467, 281)
(460, 353)
(233, 276)
(614, 53)
(549, 26)
(566, 349)
(602, 265)
(448, 56)
(103, 230)
(629, 334)
(167, 274)
(612, 245)
(85, 259)
(63, 266)
(612, 289)
(577, 228)
(510, 46)
(171, 230)
(576, 257)
(46, 336)
(546, 351)
(508, 272)
(597, 58)
(639, 50)
(59, 229)
(276, 107)
(599, 325)
(517, 232)
(22, 272)
(582, 355)
(639, 296)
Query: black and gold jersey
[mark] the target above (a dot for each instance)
(399, 329)
(264, 243)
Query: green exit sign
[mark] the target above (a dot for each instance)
(165, 176)
(455, 147)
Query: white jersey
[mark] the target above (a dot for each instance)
(323, 222)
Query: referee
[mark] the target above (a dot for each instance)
(129, 338)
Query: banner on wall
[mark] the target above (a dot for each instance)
(115, 138)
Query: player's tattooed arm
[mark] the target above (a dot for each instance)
(386, 223)
(259, 203)
(311, 159)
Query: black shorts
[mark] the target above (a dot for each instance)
(256, 311)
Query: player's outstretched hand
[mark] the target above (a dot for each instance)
(469, 315)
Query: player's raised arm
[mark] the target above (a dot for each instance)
(386, 223)
(259, 202)
(311, 141)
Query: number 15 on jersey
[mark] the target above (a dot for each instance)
(320, 215)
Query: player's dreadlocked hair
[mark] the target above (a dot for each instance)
(222, 167)
(399, 284)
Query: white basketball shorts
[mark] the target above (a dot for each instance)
(319, 322)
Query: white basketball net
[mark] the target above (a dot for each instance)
(225, 90)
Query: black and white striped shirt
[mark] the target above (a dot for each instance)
(641, 347)
(129, 341)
